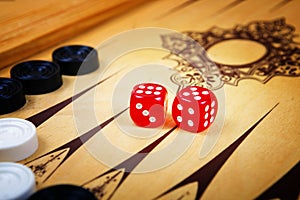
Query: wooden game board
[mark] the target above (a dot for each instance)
(255, 46)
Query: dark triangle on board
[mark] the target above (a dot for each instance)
(179, 7)
(286, 188)
(229, 6)
(280, 4)
(205, 174)
(41, 117)
(70, 147)
(129, 164)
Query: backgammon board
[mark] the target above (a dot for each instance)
(247, 52)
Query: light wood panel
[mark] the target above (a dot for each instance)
(27, 27)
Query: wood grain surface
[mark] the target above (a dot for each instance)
(255, 45)
(27, 27)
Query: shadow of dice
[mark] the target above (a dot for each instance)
(148, 105)
(194, 109)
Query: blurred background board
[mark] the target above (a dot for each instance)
(255, 45)
(29, 26)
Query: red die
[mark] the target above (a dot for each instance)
(194, 108)
(148, 105)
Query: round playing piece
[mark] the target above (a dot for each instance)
(37, 76)
(76, 59)
(17, 181)
(66, 192)
(18, 139)
(11, 95)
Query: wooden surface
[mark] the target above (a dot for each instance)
(27, 27)
(262, 158)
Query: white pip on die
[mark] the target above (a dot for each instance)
(148, 105)
(194, 108)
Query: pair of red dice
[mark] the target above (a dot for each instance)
(194, 108)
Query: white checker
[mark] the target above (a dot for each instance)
(16, 181)
(195, 93)
(148, 92)
(142, 87)
(139, 91)
(18, 139)
(150, 87)
(212, 111)
(157, 93)
(212, 119)
(158, 88)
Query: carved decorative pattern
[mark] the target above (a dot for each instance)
(282, 57)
